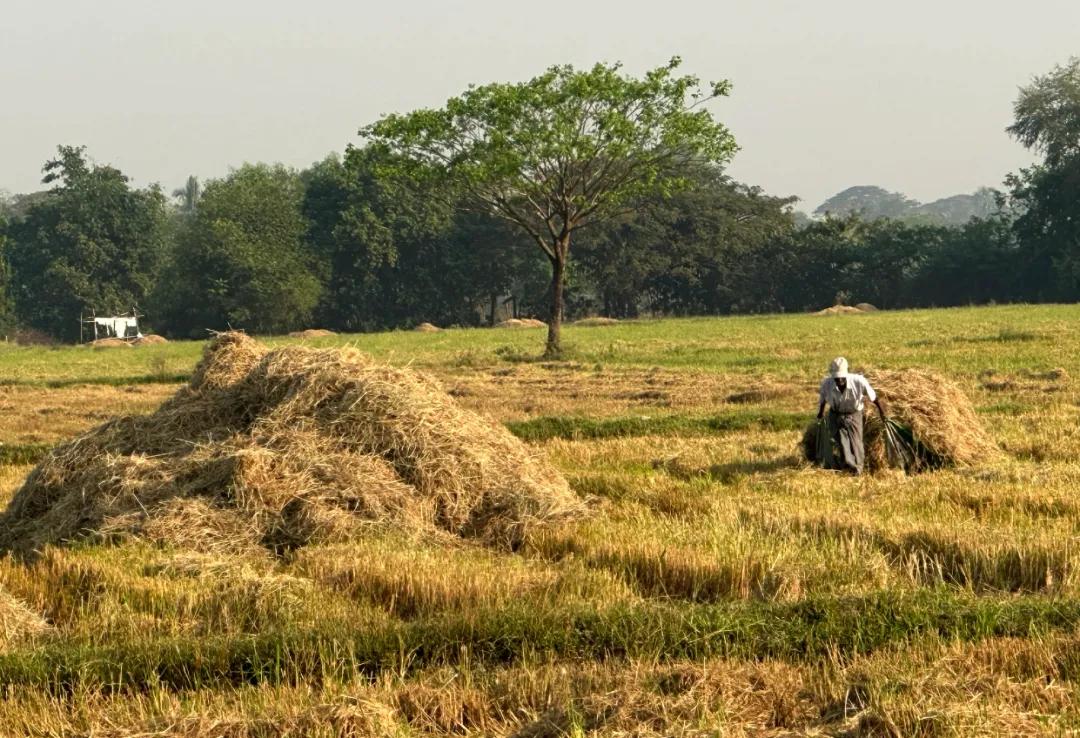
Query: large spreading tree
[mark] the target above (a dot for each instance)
(1047, 194)
(561, 151)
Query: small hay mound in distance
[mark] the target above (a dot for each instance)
(940, 418)
(521, 323)
(151, 340)
(278, 448)
(103, 343)
(840, 310)
(427, 328)
(312, 333)
(866, 307)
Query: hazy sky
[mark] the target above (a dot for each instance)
(912, 96)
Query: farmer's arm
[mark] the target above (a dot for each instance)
(821, 402)
(872, 396)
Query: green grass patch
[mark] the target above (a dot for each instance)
(1004, 408)
(583, 428)
(22, 454)
(802, 631)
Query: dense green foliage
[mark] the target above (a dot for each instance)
(451, 216)
(565, 150)
(95, 243)
(1048, 194)
(239, 259)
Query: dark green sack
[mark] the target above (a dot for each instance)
(824, 444)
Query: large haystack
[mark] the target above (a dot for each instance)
(943, 424)
(281, 447)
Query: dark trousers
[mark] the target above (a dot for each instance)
(846, 430)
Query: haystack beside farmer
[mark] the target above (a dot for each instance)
(846, 394)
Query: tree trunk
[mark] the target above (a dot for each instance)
(558, 272)
(494, 307)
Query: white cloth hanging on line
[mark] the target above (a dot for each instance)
(117, 327)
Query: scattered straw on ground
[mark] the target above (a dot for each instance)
(427, 328)
(763, 392)
(597, 321)
(281, 447)
(102, 343)
(942, 420)
(18, 622)
(312, 333)
(521, 323)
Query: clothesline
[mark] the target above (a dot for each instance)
(121, 327)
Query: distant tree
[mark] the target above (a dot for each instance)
(684, 254)
(888, 257)
(806, 269)
(94, 243)
(800, 219)
(561, 151)
(976, 263)
(959, 209)
(1047, 195)
(240, 260)
(359, 225)
(17, 206)
(393, 256)
(1047, 115)
(188, 195)
(868, 202)
(7, 307)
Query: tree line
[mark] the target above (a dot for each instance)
(575, 193)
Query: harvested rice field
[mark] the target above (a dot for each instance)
(437, 534)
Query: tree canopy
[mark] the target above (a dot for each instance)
(1047, 195)
(93, 244)
(239, 261)
(1047, 114)
(562, 150)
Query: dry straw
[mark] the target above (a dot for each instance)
(103, 343)
(940, 417)
(18, 622)
(312, 333)
(597, 321)
(280, 447)
(521, 323)
(840, 310)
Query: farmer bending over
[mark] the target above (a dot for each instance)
(845, 394)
